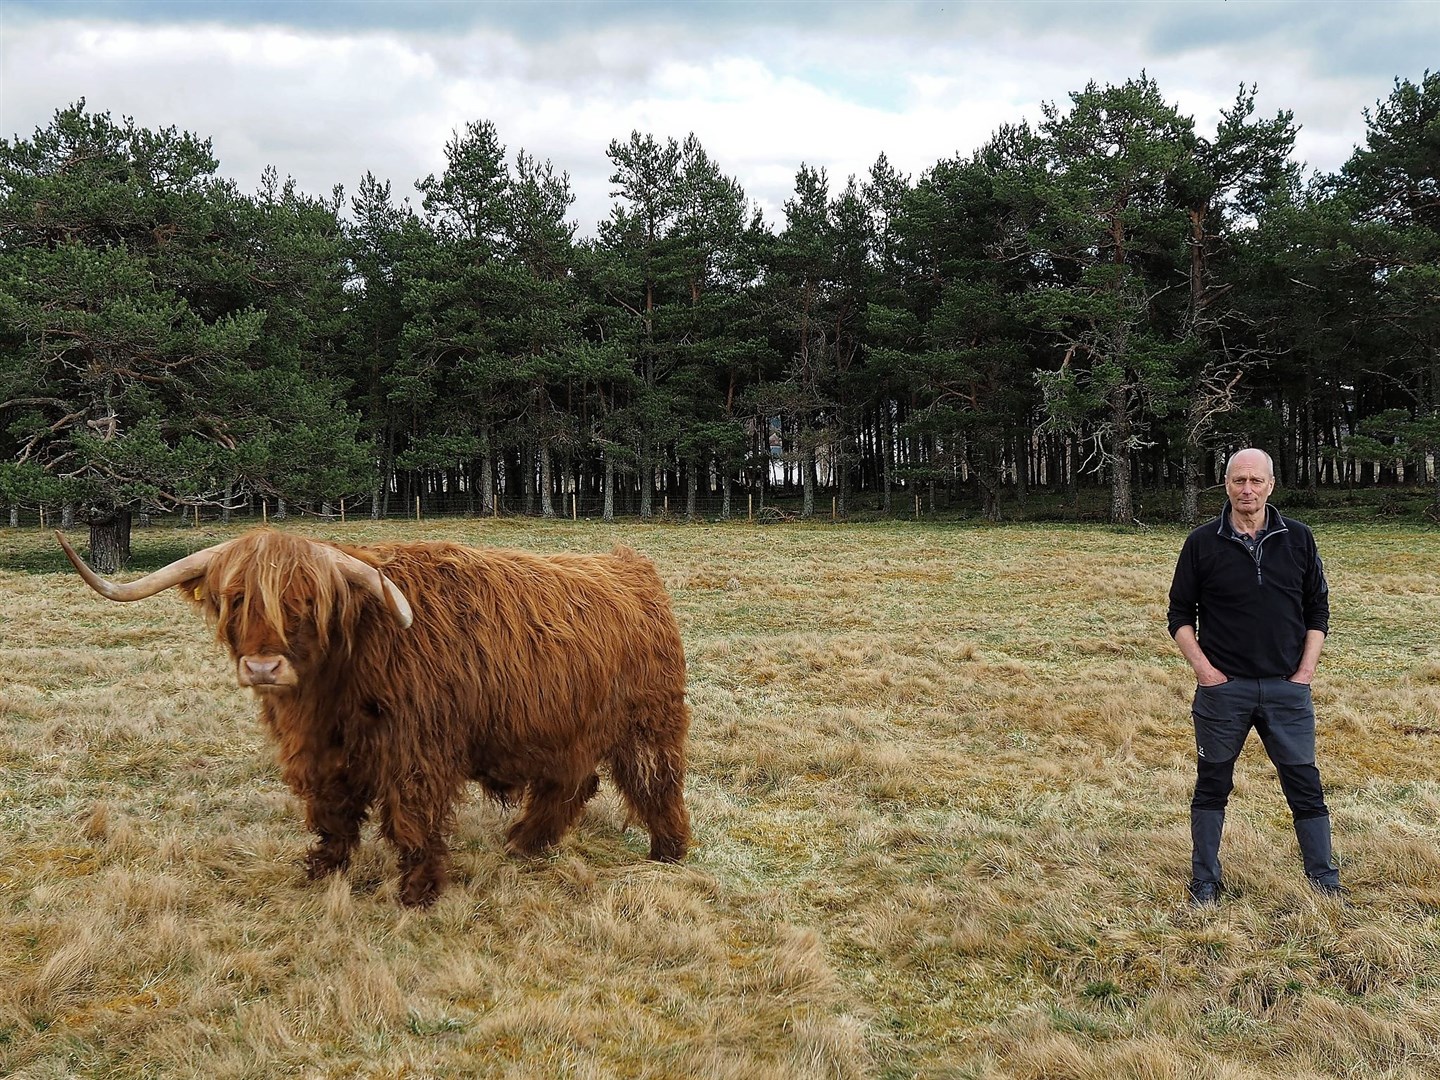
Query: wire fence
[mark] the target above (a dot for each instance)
(742, 507)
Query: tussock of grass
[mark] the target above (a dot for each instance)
(939, 787)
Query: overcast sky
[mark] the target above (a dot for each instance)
(327, 90)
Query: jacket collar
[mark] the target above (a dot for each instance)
(1274, 521)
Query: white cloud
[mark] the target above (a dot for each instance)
(917, 82)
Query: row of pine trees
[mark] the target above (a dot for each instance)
(1109, 298)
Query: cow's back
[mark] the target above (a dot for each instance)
(534, 649)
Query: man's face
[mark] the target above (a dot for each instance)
(1249, 483)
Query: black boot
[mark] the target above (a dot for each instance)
(1205, 880)
(1320, 866)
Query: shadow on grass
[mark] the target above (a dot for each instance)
(32, 551)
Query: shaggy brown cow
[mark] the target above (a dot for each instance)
(390, 675)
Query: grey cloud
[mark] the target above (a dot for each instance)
(530, 19)
(389, 82)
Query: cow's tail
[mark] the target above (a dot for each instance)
(635, 562)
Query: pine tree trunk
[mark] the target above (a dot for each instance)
(487, 484)
(609, 511)
(527, 476)
(886, 450)
(1022, 468)
(381, 506)
(1072, 469)
(986, 471)
(1190, 498)
(807, 481)
(647, 488)
(1122, 503)
(547, 477)
(110, 542)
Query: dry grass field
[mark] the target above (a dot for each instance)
(940, 779)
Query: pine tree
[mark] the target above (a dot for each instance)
(1392, 186)
(1113, 232)
(138, 292)
(1229, 185)
(642, 278)
(451, 388)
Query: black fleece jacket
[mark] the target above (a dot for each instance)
(1251, 612)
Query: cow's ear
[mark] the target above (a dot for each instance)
(193, 589)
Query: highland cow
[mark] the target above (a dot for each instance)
(390, 675)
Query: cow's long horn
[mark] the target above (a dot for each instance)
(190, 566)
(384, 590)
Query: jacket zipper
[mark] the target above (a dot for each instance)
(1259, 577)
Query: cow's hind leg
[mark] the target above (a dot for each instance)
(651, 776)
(551, 808)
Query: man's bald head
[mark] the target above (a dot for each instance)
(1250, 459)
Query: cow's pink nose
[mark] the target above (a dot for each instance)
(261, 669)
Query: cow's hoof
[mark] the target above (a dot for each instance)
(421, 885)
(321, 863)
(419, 894)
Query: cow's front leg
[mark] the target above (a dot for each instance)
(418, 834)
(423, 873)
(335, 816)
(336, 800)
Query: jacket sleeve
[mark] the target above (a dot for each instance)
(1184, 589)
(1317, 592)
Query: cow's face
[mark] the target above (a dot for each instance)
(276, 612)
(272, 649)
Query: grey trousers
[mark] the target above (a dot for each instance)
(1280, 711)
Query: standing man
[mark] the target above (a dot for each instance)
(1250, 609)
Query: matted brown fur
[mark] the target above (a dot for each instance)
(523, 672)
